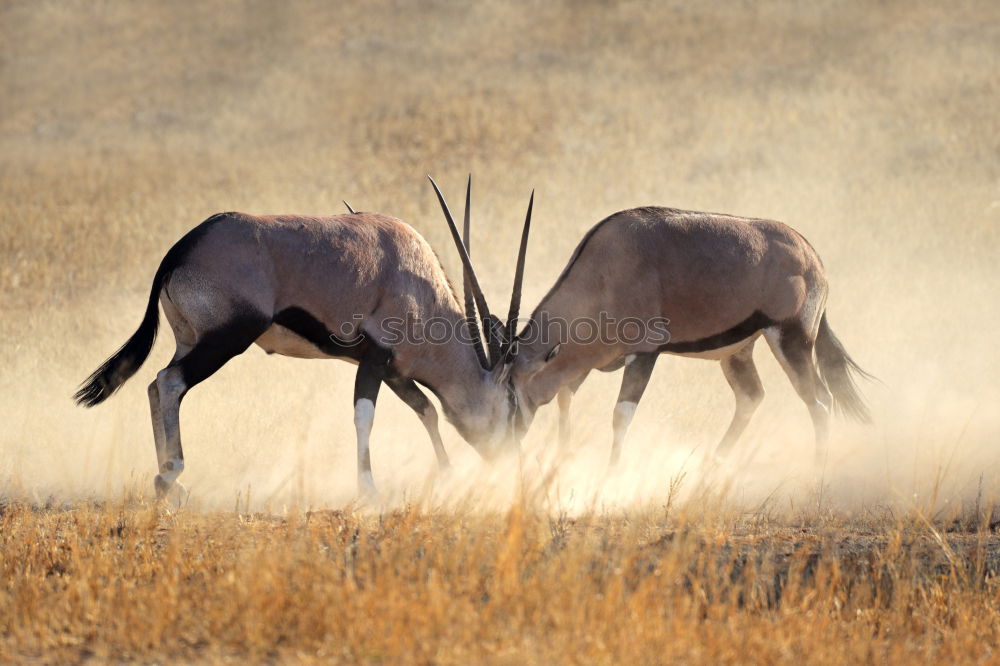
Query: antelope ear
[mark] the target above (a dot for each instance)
(553, 352)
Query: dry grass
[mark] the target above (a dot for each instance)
(128, 582)
(871, 127)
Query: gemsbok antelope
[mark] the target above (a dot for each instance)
(712, 284)
(345, 287)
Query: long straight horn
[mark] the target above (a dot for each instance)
(349, 207)
(470, 272)
(470, 305)
(515, 296)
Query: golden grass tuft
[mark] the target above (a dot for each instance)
(129, 582)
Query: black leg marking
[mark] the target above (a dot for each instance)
(372, 371)
(638, 370)
(214, 349)
(741, 373)
(410, 393)
(210, 353)
(794, 350)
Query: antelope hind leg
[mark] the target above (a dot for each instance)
(794, 351)
(741, 373)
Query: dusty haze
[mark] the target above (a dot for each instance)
(872, 128)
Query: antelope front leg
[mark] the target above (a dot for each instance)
(565, 397)
(371, 371)
(410, 393)
(638, 369)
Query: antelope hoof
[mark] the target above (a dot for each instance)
(443, 473)
(162, 487)
(175, 495)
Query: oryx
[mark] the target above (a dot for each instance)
(355, 287)
(697, 284)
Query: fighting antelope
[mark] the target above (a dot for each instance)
(341, 287)
(714, 284)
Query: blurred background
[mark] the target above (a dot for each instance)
(871, 127)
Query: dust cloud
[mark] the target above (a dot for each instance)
(872, 128)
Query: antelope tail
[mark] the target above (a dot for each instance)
(124, 363)
(838, 370)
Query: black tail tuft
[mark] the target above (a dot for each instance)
(124, 363)
(837, 369)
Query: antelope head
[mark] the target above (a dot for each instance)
(494, 341)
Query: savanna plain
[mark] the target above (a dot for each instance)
(870, 127)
